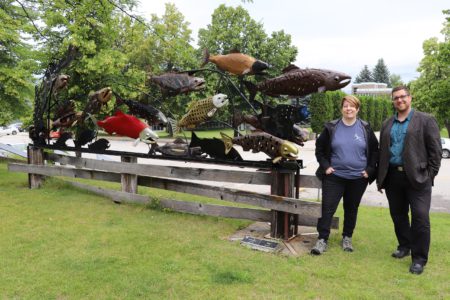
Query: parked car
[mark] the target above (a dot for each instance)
(10, 130)
(18, 125)
(445, 147)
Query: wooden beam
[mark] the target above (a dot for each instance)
(64, 171)
(129, 181)
(182, 206)
(233, 195)
(246, 177)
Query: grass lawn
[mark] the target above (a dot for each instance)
(59, 242)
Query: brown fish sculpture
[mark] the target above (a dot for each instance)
(300, 82)
(274, 147)
(236, 63)
(173, 84)
(199, 112)
(60, 83)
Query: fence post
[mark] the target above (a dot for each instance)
(35, 157)
(129, 181)
(283, 224)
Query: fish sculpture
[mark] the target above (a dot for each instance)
(299, 82)
(280, 121)
(200, 111)
(173, 84)
(152, 115)
(215, 148)
(274, 147)
(178, 148)
(235, 63)
(128, 125)
(83, 136)
(99, 145)
(63, 138)
(96, 101)
(60, 83)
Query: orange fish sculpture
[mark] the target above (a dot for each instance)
(235, 63)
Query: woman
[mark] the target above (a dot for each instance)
(347, 152)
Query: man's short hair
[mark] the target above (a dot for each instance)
(399, 88)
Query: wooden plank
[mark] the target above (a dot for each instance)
(129, 181)
(64, 171)
(182, 206)
(35, 157)
(305, 220)
(279, 203)
(310, 181)
(116, 196)
(248, 177)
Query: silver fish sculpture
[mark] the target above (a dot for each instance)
(152, 115)
(300, 82)
(274, 147)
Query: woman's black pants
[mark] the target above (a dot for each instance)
(333, 189)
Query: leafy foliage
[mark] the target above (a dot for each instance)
(431, 90)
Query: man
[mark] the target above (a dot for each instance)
(410, 157)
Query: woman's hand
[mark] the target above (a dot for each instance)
(364, 174)
(329, 170)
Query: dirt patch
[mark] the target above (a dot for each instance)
(297, 246)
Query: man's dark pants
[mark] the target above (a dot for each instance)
(333, 189)
(401, 196)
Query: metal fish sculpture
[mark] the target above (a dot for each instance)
(178, 148)
(84, 136)
(173, 84)
(200, 111)
(280, 121)
(274, 147)
(96, 101)
(299, 82)
(61, 141)
(215, 148)
(128, 125)
(60, 83)
(147, 112)
(235, 63)
(99, 145)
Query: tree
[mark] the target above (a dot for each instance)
(233, 28)
(321, 109)
(364, 76)
(16, 64)
(381, 73)
(431, 90)
(395, 80)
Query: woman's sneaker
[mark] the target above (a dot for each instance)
(320, 247)
(347, 244)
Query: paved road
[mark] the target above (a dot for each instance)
(440, 197)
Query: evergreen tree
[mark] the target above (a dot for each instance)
(381, 73)
(364, 76)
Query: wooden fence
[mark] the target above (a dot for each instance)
(284, 212)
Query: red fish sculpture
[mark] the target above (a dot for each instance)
(130, 126)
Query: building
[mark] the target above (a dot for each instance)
(371, 89)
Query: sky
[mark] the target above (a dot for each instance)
(340, 35)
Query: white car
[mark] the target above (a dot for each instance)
(445, 147)
(10, 130)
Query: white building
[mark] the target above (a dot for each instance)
(371, 89)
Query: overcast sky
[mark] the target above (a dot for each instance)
(340, 35)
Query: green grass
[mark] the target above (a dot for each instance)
(59, 242)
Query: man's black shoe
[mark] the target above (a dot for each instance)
(399, 253)
(416, 268)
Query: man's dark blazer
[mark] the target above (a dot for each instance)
(422, 150)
